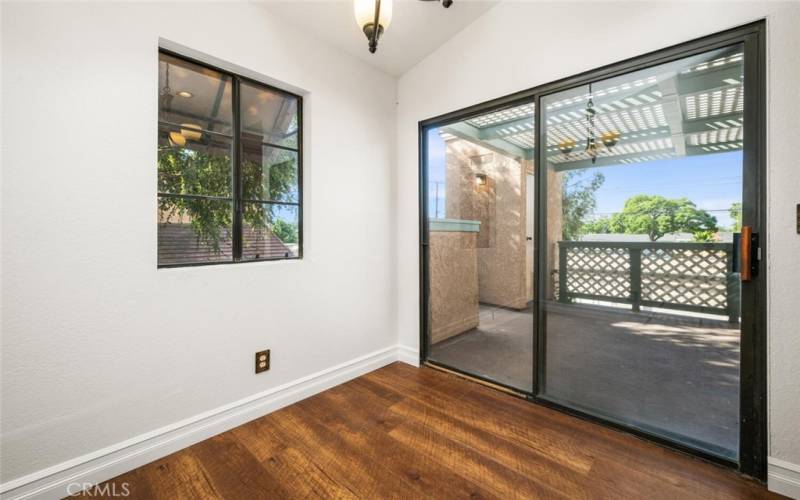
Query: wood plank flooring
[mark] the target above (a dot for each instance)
(403, 432)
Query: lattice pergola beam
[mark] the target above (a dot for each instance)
(717, 147)
(709, 80)
(506, 129)
(465, 131)
(702, 124)
(605, 161)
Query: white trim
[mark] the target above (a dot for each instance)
(408, 355)
(119, 458)
(783, 477)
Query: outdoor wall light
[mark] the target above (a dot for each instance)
(480, 179)
(373, 17)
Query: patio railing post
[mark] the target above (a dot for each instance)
(636, 277)
(562, 273)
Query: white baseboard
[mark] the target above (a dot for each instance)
(408, 355)
(783, 477)
(117, 459)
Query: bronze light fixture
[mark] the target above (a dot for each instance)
(591, 139)
(608, 139)
(567, 145)
(374, 16)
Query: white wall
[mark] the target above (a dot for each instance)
(98, 346)
(516, 46)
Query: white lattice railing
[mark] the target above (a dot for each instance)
(696, 277)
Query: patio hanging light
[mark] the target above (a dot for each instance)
(608, 139)
(591, 139)
(567, 145)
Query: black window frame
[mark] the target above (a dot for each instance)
(237, 195)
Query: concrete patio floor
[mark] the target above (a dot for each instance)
(672, 375)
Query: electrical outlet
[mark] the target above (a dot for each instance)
(262, 361)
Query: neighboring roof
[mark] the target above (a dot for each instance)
(178, 244)
(685, 108)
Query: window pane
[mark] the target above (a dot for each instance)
(269, 116)
(194, 230)
(194, 94)
(480, 245)
(269, 173)
(270, 231)
(193, 162)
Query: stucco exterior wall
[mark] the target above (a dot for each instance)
(499, 205)
(453, 284)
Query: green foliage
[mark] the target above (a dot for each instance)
(205, 171)
(601, 225)
(578, 201)
(656, 216)
(286, 231)
(705, 236)
(736, 214)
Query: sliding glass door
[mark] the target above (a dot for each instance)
(595, 245)
(642, 310)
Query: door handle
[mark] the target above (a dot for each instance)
(748, 264)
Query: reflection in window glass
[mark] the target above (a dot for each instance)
(269, 174)
(194, 95)
(190, 162)
(269, 116)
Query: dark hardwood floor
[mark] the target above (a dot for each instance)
(403, 432)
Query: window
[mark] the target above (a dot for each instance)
(229, 167)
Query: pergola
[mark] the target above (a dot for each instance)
(684, 108)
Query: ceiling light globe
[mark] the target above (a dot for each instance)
(365, 12)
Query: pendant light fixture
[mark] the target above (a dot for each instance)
(591, 139)
(608, 139)
(373, 17)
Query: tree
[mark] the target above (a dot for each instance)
(578, 201)
(656, 216)
(203, 170)
(736, 214)
(286, 231)
(600, 225)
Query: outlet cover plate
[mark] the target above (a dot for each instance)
(262, 361)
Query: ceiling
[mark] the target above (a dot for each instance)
(416, 30)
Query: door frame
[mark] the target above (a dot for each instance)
(753, 367)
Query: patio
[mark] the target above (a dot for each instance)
(668, 374)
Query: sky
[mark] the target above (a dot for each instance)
(712, 181)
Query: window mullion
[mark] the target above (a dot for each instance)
(237, 172)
